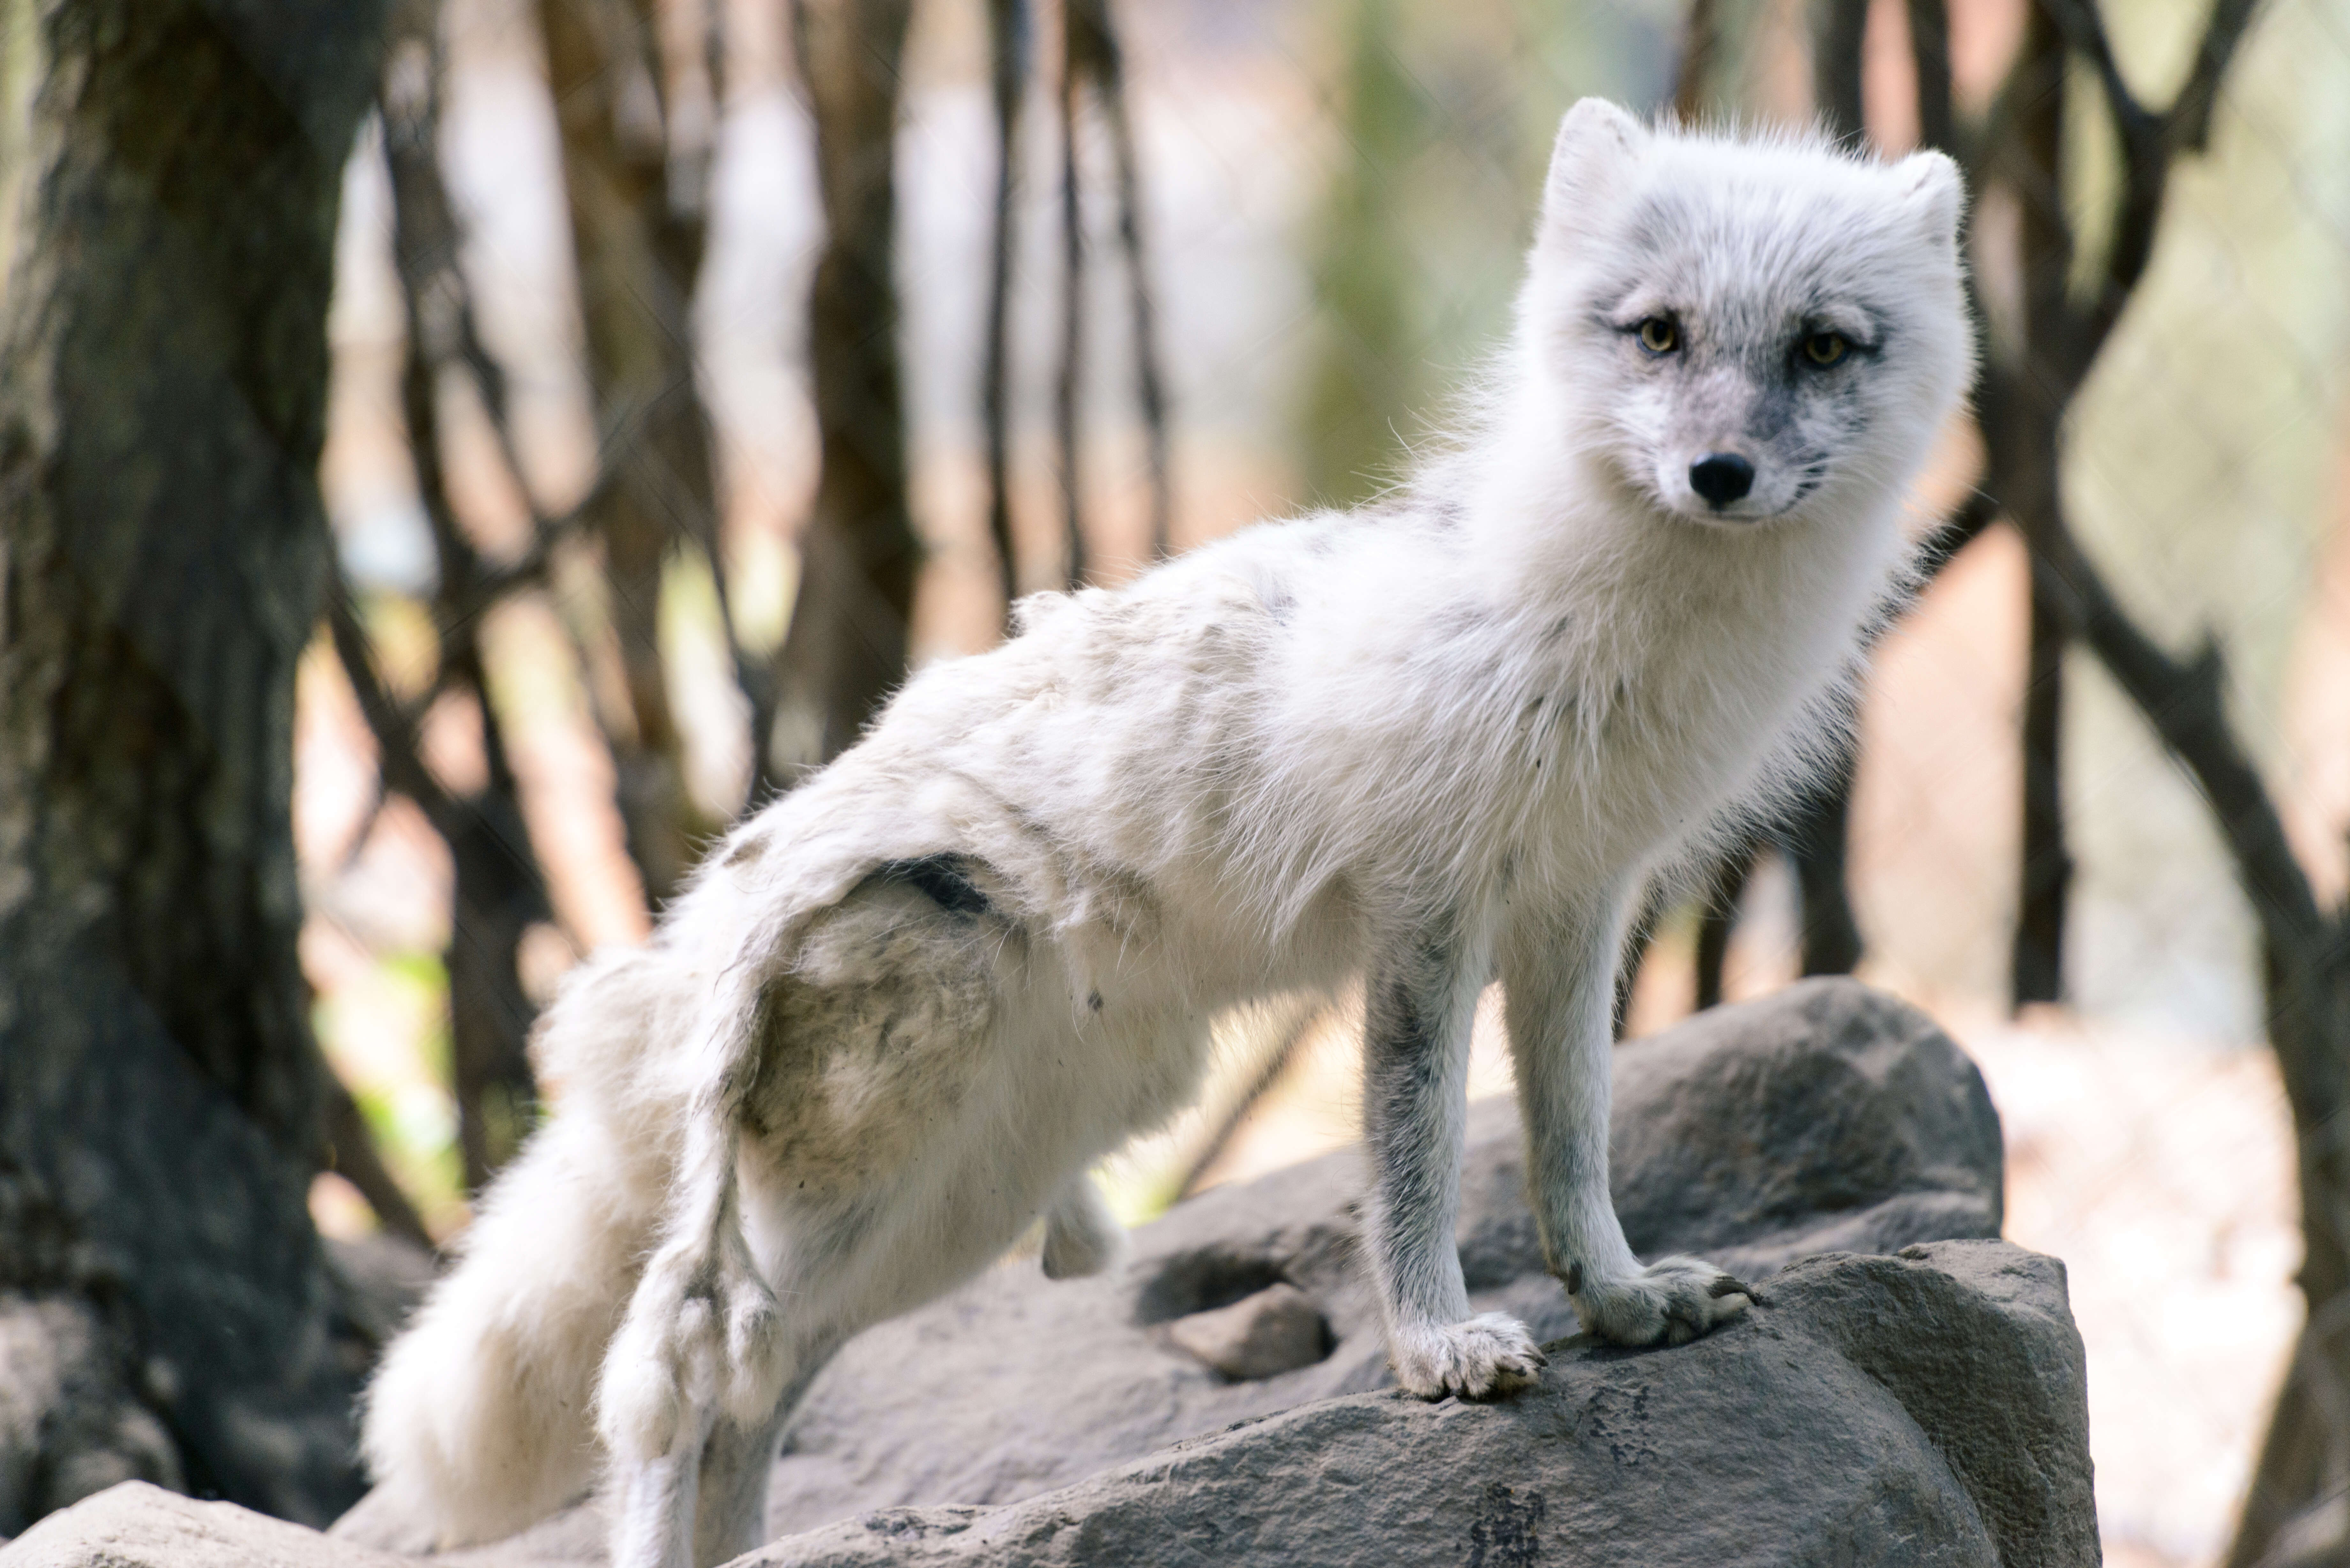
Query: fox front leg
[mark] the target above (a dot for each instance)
(1421, 997)
(1558, 975)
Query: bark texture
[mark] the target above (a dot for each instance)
(1008, 29)
(845, 649)
(2023, 428)
(499, 888)
(637, 226)
(171, 174)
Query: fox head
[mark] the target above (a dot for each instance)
(1742, 330)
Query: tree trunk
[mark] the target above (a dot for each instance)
(171, 173)
(1839, 39)
(845, 649)
(1008, 43)
(499, 890)
(2047, 865)
(2290, 1514)
(638, 243)
(2023, 432)
(1816, 839)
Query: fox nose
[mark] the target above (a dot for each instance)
(1721, 477)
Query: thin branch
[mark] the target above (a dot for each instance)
(350, 1153)
(2150, 143)
(393, 726)
(1073, 303)
(2187, 125)
(2186, 703)
(1693, 73)
(2145, 171)
(1837, 48)
(1954, 534)
(1929, 51)
(1009, 39)
(1640, 937)
(1105, 63)
(1717, 918)
(657, 491)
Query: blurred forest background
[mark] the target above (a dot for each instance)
(697, 367)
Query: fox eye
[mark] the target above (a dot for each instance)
(1824, 348)
(1659, 336)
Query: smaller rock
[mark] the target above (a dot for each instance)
(1276, 1330)
(70, 1425)
(380, 1280)
(135, 1525)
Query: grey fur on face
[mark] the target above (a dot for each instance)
(1729, 323)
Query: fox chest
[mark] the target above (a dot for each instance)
(1647, 753)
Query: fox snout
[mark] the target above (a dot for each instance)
(1722, 478)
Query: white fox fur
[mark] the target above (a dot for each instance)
(900, 1012)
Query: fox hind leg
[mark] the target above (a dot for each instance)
(824, 1072)
(731, 1514)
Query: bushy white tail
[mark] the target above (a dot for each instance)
(481, 1419)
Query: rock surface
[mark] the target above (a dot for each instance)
(68, 1425)
(1926, 1410)
(1829, 1117)
(1279, 1329)
(1926, 1407)
(137, 1525)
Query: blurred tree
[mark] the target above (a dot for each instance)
(2039, 355)
(1369, 371)
(845, 651)
(1009, 27)
(170, 173)
(2029, 411)
(2036, 369)
(1813, 836)
(1699, 58)
(638, 126)
(1095, 55)
(499, 890)
(1816, 836)
(1092, 58)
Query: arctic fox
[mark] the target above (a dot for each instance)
(900, 1012)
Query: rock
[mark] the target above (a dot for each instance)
(1829, 1116)
(1922, 1408)
(68, 1425)
(1275, 1331)
(1929, 1410)
(135, 1525)
(379, 1279)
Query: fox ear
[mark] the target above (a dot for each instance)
(1936, 193)
(1597, 143)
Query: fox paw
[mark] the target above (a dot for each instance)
(1670, 1302)
(1488, 1356)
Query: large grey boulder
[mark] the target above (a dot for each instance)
(1926, 1410)
(1224, 1398)
(1829, 1117)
